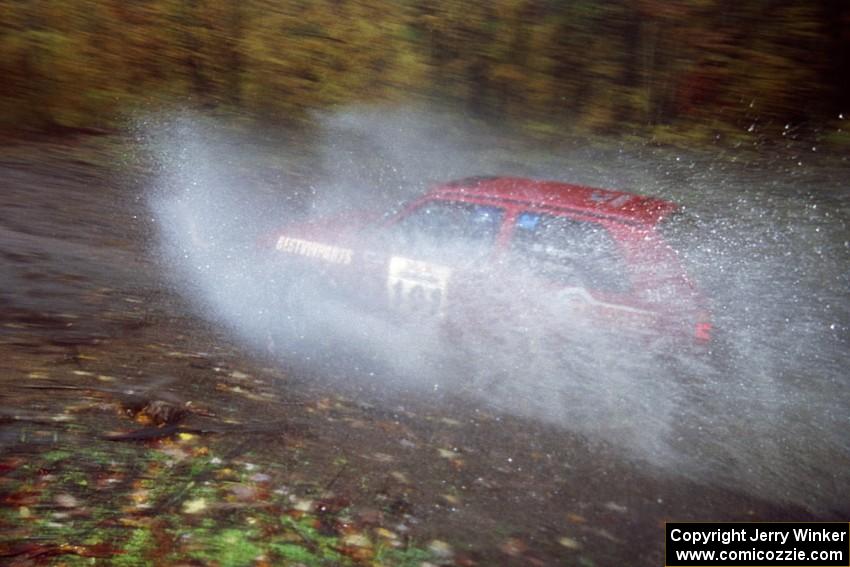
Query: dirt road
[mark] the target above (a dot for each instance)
(133, 432)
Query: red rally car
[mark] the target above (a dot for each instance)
(482, 256)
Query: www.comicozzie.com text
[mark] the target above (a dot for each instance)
(727, 536)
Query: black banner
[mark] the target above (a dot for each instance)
(757, 544)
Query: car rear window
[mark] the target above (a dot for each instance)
(449, 224)
(569, 251)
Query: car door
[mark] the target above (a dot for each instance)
(432, 251)
(576, 273)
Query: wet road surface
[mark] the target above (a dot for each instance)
(133, 430)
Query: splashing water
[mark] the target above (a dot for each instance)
(767, 242)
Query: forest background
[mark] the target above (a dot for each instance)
(698, 69)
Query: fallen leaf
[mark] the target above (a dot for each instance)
(400, 477)
(569, 543)
(614, 507)
(66, 500)
(513, 546)
(386, 534)
(356, 540)
(243, 492)
(175, 452)
(453, 500)
(440, 548)
(370, 516)
(194, 506)
(140, 497)
(302, 505)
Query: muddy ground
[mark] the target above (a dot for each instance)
(134, 432)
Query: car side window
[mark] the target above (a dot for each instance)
(449, 225)
(569, 251)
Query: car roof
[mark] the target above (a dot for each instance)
(595, 201)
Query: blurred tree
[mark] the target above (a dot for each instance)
(836, 43)
(603, 65)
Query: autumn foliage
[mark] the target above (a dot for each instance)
(589, 64)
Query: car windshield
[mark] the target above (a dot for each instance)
(569, 251)
(443, 227)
